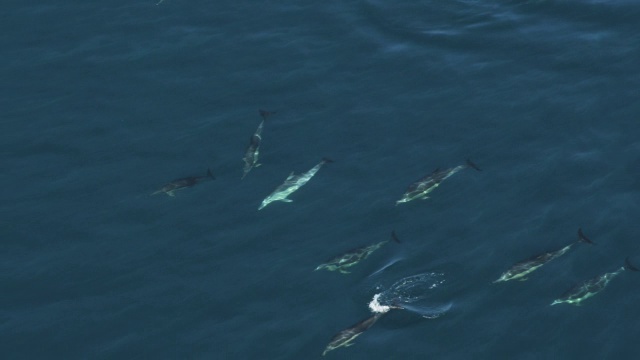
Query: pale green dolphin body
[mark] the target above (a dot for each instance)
(353, 257)
(591, 287)
(421, 188)
(345, 337)
(253, 150)
(291, 184)
(524, 268)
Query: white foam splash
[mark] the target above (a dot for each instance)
(376, 307)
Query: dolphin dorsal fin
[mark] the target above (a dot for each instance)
(290, 176)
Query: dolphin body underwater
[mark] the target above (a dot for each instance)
(346, 336)
(291, 184)
(183, 183)
(523, 268)
(421, 188)
(353, 257)
(589, 288)
(253, 150)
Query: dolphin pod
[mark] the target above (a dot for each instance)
(418, 190)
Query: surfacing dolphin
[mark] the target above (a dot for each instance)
(346, 336)
(352, 257)
(251, 154)
(421, 188)
(523, 268)
(291, 184)
(182, 183)
(591, 287)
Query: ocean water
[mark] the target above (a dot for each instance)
(104, 102)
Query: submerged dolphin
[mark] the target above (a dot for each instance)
(593, 286)
(352, 257)
(523, 268)
(421, 188)
(345, 337)
(291, 184)
(182, 183)
(251, 154)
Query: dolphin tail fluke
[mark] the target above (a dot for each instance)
(472, 165)
(583, 238)
(326, 160)
(395, 237)
(628, 266)
(210, 174)
(265, 114)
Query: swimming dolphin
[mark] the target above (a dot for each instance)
(591, 287)
(182, 183)
(291, 184)
(523, 268)
(345, 337)
(352, 257)
(421, 188)
(251, 154)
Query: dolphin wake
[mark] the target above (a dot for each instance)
(404, 293)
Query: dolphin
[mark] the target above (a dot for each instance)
(523, 268)
(352, 257)
(591, 287)
(346, 336)
(182, 183)
(251, 154)
(291, 184)
(421, 188)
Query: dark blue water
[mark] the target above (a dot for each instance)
(103, 102)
